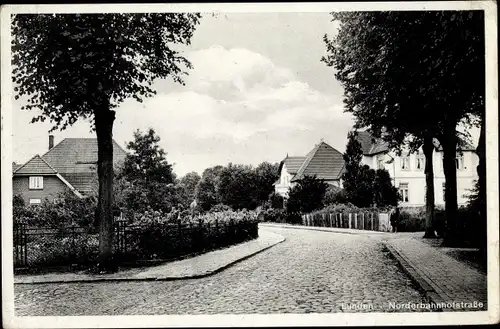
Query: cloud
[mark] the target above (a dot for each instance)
(236, 106)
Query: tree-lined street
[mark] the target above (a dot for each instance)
(309, 272)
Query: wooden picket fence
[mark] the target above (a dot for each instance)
(372, 221)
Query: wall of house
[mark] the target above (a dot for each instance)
(284, 183)
(415, 178)
(52, 187)
(368, 160)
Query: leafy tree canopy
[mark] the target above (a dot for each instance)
(71, 65)
(146, 160)
(188, 182)
(409, 72)
(307, 195)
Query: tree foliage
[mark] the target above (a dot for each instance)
(352, 160)
(146, 180)
(188, 182)
(364, 186)
(205, 192)
(237, 186)
(408, 76)
(146, 161)
(403, 71)
(384, 193)
(266, 175)
(334, 195)
(307, 195)
(67, 64)
(82, 66)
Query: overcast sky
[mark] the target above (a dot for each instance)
(258, 91)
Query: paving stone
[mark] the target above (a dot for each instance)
(450, 280)
(346, 268)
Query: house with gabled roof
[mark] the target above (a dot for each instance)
(323, 161)
(71, 165)
(407, 169)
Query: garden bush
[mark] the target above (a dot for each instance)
(52, 250)
(334, 195)
(413, 220)
(157, 235)
(71, 211)
(151, 234)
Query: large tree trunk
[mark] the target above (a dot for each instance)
(428, 149)
(449, 143)
(104, 128)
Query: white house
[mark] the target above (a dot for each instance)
(407, 170)
(323, 161)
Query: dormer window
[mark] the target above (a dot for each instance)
(36, 183)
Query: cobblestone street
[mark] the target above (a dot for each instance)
(311, 271)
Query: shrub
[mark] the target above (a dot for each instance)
(159, 235)
(275, 215)
(50, 250)
(339, 208)
(334, 195)
(276, 201)
(307, 195)
(71, 211)
(220, 207)
(471, 229)
(413, 220)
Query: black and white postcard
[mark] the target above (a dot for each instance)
(237, 164)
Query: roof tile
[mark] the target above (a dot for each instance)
(293, 164)
(35, 166)
(78, 155)
(323, 161)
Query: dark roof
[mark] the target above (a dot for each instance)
(83, 182)
(323, 161)
(370, 145)
(78, 155)
(293, 164)
(373, 146)
(16, 166)
(35, 166)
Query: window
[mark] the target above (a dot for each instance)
(459, 161)
(420, 161)
(36, 183)
(403, 191)
(405, 162)
(444, 192)
(380, 162)
(35, 201)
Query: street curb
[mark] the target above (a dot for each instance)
(430, 294)
(158, 278)
(321, 229)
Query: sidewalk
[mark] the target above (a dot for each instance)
(196, 267)
(331, 229)
(442, 278)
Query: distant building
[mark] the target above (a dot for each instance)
(323, 161)
(70, 165)
(407, 170)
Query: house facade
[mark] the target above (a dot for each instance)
(70, 165)
(407, 170)
(323, 161)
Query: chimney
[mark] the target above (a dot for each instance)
(51, 141)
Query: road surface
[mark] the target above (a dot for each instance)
(311, 272)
